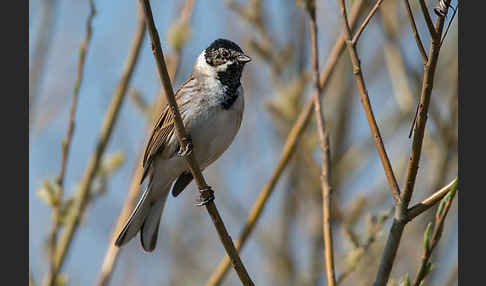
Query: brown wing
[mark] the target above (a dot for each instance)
(161, 132)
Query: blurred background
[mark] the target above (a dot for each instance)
(286, 246)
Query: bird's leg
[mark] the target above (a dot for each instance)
(188, 144)
(207, 195)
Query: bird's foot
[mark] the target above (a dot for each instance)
(188, 150)
(207, 195)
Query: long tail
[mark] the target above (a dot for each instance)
(145, 217)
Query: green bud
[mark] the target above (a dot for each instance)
(427, 236)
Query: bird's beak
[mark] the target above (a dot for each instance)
(243, 58)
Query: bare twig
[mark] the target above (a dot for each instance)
(450, 22)
(366, 21)
(400, 219)
(66, 144)
(326, 154)
(430, 201)
(182, 137)
(431, 243)
(288, 150)
(358, 75)
(416, 35)
(428, 20)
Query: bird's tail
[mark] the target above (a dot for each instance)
(145, 217)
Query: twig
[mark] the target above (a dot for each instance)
(431, 243)
(326, 154)
(366, 21)
(416, 35)
(358, 75)
(450, 22)
(288, 150)
(66, 144)
(430, 201)
(433, 32)
(400, 219)
(182, 137)
(112, 252)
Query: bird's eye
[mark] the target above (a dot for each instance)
(225, 54)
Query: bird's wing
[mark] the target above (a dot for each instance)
(163, 130)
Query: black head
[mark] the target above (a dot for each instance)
(223, 51)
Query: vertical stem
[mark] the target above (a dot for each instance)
(365, 100)
(326, 156)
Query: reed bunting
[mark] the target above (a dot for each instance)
(211, 105)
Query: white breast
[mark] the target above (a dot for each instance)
(215, 130)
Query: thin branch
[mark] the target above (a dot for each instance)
(428, 20)
(358, 75)
(288, 150)
(66, 144)
(450, 22)
(430, 201)
(416, 35)
(400, 219)
(326, 154)
(182, 137)
(431, 243)
(366, 21)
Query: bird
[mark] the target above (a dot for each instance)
(211, 104)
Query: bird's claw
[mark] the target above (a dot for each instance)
(188, 149)
(207, 195)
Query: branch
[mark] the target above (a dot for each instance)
(430, 244)
(433, 32)
(326, 154)
(430, 201)
(366, 21)
(400, 219)
(416, 35)
(66, 145)
(288, 150)
(204, 189)
(358, 76)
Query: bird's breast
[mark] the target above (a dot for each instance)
(215, 130)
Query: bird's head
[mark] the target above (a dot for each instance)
(222, 59)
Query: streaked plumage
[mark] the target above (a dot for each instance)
(211, 104)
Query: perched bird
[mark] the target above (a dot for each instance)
(211, 105)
